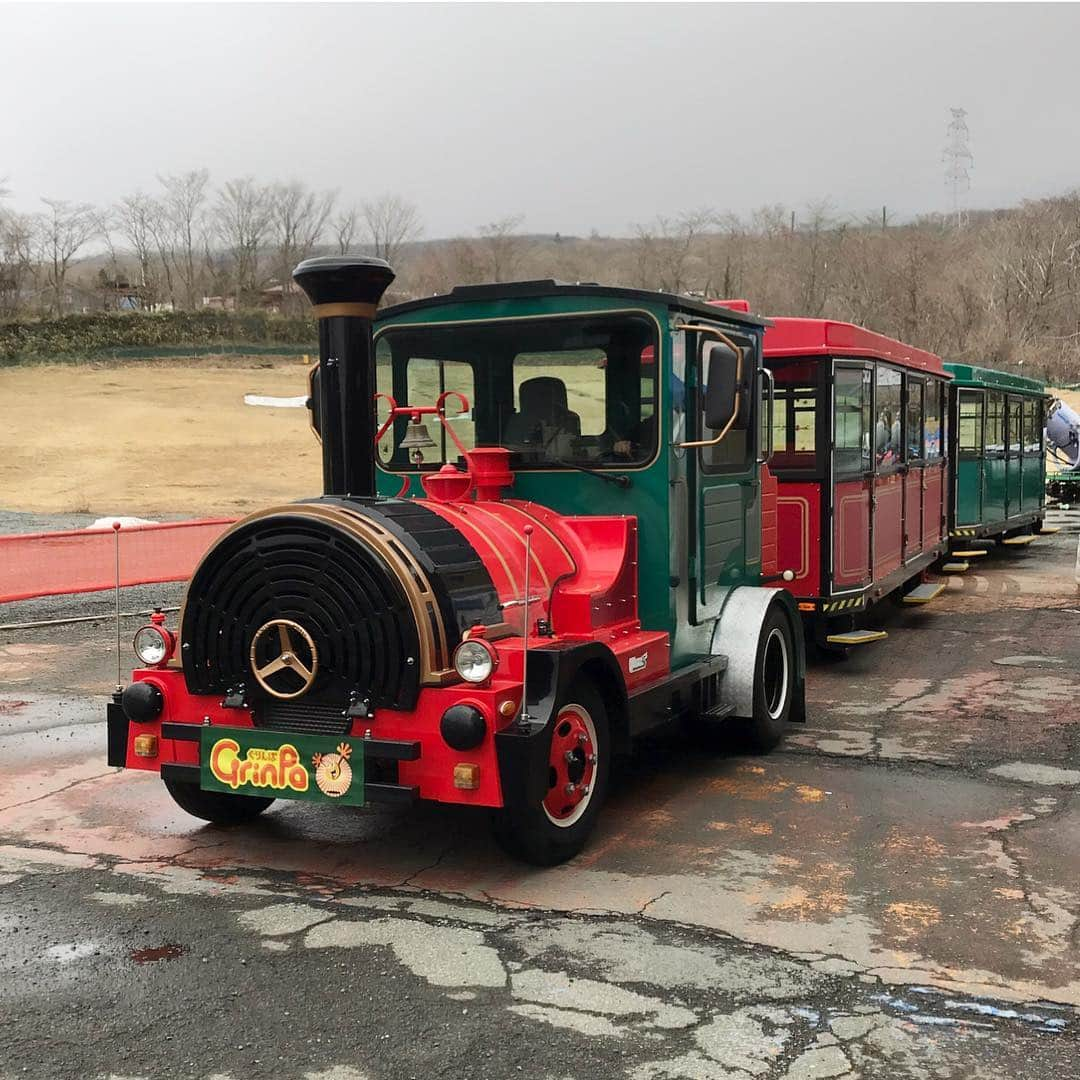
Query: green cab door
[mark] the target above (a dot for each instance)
(723, 499)
(1013, 457)
(970, 415)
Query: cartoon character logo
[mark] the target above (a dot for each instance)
(333, 773)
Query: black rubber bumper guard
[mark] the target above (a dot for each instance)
(387, 749)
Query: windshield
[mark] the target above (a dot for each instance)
(555, 392)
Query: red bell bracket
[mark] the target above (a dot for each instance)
(414, 412)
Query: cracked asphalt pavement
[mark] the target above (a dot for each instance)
(892, 894)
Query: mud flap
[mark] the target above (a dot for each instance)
(522, 747)
(736, 636)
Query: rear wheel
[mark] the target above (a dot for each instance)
(579, 756)
(774, 684)
(214, 806)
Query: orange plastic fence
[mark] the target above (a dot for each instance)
(84, 560)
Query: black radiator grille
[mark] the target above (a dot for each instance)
(301, 718)
(291, 567)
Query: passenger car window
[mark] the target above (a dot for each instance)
(1033, 433)
(970, 429)
(795, 428)
(995, 422)
(932, 423)
(914, 425)
(1014, 426)
(851, 410)
(887, 444)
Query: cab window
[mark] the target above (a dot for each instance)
(556, 393)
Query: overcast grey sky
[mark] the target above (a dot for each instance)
(577, 116)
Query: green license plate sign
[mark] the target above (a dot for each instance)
(282, 765)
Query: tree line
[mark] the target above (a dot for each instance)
(188, 244)
(1000, 288)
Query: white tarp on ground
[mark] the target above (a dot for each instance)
(276, 402)
(125, 522)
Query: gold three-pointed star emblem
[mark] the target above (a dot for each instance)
(284, 659)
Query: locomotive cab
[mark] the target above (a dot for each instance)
(540, 534)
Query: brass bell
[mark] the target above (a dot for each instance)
(416, 438)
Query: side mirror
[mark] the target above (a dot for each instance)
(722, 397)
(313, 401)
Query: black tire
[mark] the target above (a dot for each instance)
(213, 806)
(774, 684)
(530, 832)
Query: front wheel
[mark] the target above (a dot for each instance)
(774, 684)
(579, 757)
(213, 805)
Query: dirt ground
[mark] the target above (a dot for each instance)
(154, 437)
(893, 895)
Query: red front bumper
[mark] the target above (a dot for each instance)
(430, 774)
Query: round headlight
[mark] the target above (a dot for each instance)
(152, 644)
(474, 661)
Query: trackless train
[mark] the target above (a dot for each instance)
(557, 527)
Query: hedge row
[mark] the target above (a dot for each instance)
(105, 333)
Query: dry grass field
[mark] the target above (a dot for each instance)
(157, 437)
(170, 436)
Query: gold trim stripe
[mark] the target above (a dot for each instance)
(435, 667)
(351, 310)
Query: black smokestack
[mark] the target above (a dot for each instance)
(345, 291)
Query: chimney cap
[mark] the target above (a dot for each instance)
(344, 279)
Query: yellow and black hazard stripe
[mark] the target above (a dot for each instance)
(847, 604)
(963, 532)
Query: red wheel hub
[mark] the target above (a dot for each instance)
(571, 765)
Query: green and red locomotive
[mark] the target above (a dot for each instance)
(546, 526)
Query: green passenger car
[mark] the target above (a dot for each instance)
(997, 442)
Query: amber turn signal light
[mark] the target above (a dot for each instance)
(145, 746)
(467, 776)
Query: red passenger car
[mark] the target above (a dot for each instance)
(859, 453)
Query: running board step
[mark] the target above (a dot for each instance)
(857, 637)
(955, 567)
(923, 594)
(1019, 541)
(1049, 530)
(977, 553)
(718, 712)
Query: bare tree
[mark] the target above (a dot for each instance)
(180, 243)
(242, 213)
(345, 226)
(18, 267)
(392, 222)
(140, 220)
(63, 230)
(503, 246)
(298, 219)
(822, 237)
(666, 250)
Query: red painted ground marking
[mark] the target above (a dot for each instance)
(84, 560)
(159, 952)
(7, 707)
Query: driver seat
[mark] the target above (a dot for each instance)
(542, 415)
